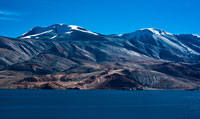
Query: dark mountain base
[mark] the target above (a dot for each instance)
(123, 76)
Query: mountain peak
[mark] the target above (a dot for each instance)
(145, 32)
(156, 31)
(53, 30)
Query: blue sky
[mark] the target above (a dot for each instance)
(102, 16)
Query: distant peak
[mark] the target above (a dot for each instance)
(157, 31)
(145, 31)
(198, 36)
(194, 35)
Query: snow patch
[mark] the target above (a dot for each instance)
(53, 37)
(73, 27)
(158, 32)
(152, 30)
(36, 35)
(196, 35)
(68, 32)
(168, 42)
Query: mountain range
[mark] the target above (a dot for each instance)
(64, 56)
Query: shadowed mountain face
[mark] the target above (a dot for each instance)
(70, 57)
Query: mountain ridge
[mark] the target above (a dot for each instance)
(61, 24)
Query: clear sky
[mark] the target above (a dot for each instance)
(102, 16)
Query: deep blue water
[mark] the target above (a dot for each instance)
(98, 104)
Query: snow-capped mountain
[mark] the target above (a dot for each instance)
(163, 45)
(53, 31)
(69, 56)
(151, 42)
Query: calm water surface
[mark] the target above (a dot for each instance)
(97, 104)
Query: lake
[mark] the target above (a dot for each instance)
(99, 104)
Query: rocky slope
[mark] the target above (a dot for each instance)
(70, 57)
